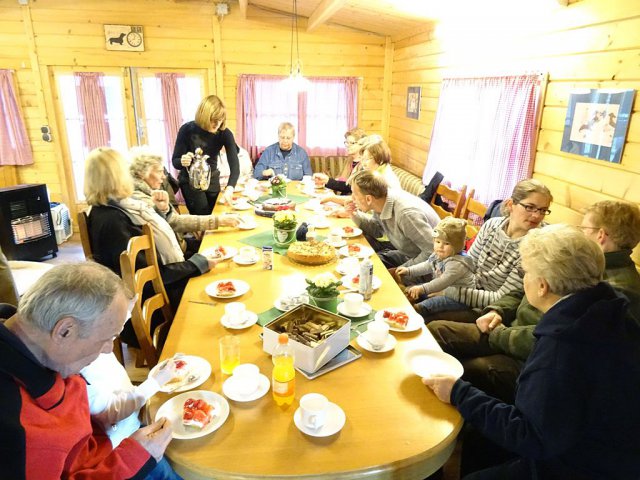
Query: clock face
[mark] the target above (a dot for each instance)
(134, 39)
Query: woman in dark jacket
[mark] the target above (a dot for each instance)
(576, 412)
(209, 132)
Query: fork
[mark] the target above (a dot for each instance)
(190, 379)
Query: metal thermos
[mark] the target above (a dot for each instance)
(365, 287)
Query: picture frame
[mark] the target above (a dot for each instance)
(124, 38)
(413, 102)
(597, 122)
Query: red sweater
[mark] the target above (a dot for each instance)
(45, 427)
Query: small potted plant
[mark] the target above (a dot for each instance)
(284, 227)
(278, 186)
(323, 291)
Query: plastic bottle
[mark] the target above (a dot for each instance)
(283, 378)
(285, 170)
(365, 287)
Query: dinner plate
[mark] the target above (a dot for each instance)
(173, 408)
(241, 288)
(389, 345)
(229, 251)
(426, 363)
(355, 233)
(341, 243)
(196, 366)
(320, 224)
(247, 224)
(343, 269)
(242, 206)
(334, 422)
(347, 281)
(250, 318)
(416, 322)
(243, 261)
(364, 252)
(228, 388)
(364, 311)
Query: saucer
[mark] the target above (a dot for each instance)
(339, 244)
(387, 347)
(242, 206)
(241, 261)
(334, 423)
(250, 318)
(363, 312)
(229, 391)
(247, 225)
(320, 225)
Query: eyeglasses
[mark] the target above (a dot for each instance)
(583, 228)
(533, 209)
(348, 143)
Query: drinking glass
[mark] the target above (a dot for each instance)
(229, 353)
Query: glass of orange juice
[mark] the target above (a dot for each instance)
(229, 353)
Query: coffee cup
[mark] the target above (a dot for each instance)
(245, 378)
(313, 410)
(248, 254)
(235, 312)
(377, 333)
(353, 303)
(335, 237)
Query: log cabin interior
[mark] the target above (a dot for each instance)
(388, 46)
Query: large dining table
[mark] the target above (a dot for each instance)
(395, 426)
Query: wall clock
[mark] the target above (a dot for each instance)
(127, 38)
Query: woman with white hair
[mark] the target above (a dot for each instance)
(147, 170)
(576, 407)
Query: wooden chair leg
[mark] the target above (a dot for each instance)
(117, 350)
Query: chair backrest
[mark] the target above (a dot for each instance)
(85, 239)
(150, 339)
(476, 208)
(452, 197)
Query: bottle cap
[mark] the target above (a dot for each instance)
(283, 338)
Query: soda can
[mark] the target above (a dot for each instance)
(267, 257)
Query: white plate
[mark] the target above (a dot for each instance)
(241, 261)
(333, 424)
(197, 366)
(241, 288)
(365, 310)
(389, 345)
(320, 225)
(425, 363)
(250, 318)
(229, 391)
(312, 204)
(247, 225)
(339, 244)
(365, 252)
(242, 206)
(416, 322)
(172, 409)
(342, 270)
(230, 251)
(356, 232)
(376, 283)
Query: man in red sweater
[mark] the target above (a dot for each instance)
(69, 316)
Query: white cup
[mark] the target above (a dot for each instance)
(235, 312)
(245, 378)
(352, 303)
(313, 410)
(247, 253)
(377, 333)
(335, 237)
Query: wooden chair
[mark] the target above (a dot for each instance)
(450, 196)
(150, 340)
(476, 208)
(85, 239)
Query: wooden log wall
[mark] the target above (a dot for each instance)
(589, 44)
(49, 34)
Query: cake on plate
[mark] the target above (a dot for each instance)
(225, 289)
(277, 204)
(397, 320)
(196, 413)
(311, 253)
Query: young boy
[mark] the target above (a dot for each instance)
(447, 267)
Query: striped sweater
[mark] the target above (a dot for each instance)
(497, 266)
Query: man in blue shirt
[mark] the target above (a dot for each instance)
(284, 157)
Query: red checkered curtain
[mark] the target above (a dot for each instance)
(92, 104)
(483, 133)
(15, 148)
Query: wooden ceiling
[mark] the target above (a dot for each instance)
(382, 17)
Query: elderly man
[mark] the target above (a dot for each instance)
(406, 220)
(284, 157)
(494, 350)
(64, 321)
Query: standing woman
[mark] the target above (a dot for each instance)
(209, 132)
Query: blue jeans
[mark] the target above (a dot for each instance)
(163, 471)
(439, 304)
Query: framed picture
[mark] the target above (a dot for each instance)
(597, 122)
(128, 38)
(413, 102)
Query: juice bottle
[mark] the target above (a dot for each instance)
(283, 378)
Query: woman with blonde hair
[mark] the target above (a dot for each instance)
(115, 217)
(208, 132)
(339, 184)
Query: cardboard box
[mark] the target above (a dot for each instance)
(309, 358)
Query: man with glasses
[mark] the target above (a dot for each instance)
(284, 157)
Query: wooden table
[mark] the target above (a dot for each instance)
(395, 427)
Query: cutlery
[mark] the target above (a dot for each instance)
(373, 347)
(356, 327)
(213, 304)
(190, 379)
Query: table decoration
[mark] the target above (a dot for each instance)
(323, 291)
(278, 186)
(284, 227)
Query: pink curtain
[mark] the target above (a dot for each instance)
(483, 133)
(171, 112)
(92, 105)
(325, 102)
(15, 148)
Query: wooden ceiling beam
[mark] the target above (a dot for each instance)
(324, 12)
(243, 7)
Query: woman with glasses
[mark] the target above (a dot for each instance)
(495, 253)
(352, 143)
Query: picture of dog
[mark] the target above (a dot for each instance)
(119, 39)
